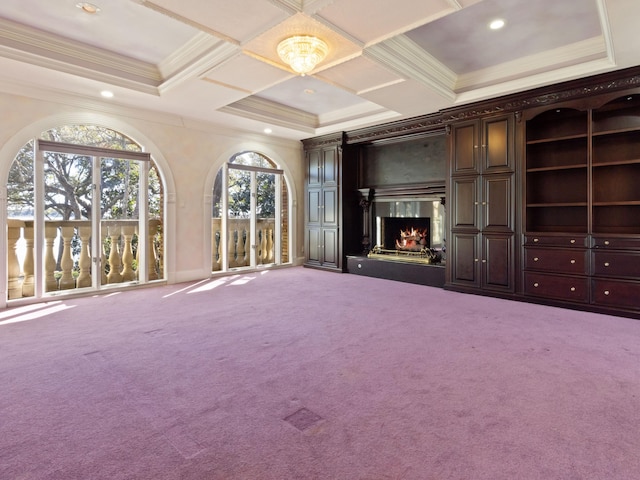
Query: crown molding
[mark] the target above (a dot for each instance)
(25, 44)
(199, 65)
(575, 53)
(352, 113)
(289, 6)
(403, 56)
(256, 108)
(198, 26)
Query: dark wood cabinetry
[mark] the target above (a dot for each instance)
(322, 206)
(482, 204)
(330, 183)
(581, 185)
(542, 192)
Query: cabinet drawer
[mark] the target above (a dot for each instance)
(616, 242)
(556, 240)
(556, 260)
(616, 264)
(616, 293)
(551, 286)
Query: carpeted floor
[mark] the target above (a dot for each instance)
(303, 374)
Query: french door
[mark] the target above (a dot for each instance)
(253, 221)
(90, 221)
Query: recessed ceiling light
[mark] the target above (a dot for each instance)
(89, 8)
(267, 130)
(107, 94)
(496, 24)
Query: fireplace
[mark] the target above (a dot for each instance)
(407, 226)
(405, 234)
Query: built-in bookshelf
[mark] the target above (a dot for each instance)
(557, 152)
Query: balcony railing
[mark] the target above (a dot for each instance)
(239, 242)
(68, 256)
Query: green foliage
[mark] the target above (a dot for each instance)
(69, 178)
(239, 188)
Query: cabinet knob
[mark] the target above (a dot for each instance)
(475, 259)
(606, 242)
(535, 240)
(573, 261)
(536, 284)
(484, 203)
(535, 259)
(484, 261)
(606, 264)
(572, 241)
(606, 292)
(475, 203)
(573, 289)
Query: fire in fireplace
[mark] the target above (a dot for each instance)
(409, 234)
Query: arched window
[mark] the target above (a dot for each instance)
(250, 218)
(84, 211)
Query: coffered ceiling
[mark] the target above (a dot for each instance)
(215, 61)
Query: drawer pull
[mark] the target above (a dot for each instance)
(606, 292)
(573, 261)
(572, 241)
(606, 264)
(573, 289)
(535, 240)
(606, 242)
(536, 284)
(535, 259)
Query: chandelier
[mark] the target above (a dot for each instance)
(302, 52)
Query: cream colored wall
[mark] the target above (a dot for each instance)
(189, 157)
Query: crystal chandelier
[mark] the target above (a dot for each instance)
(302, 52)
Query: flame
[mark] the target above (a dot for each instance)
(412, 239)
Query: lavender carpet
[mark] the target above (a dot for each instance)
(304, 374)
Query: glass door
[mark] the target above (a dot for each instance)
(253, 216)
(93, 218)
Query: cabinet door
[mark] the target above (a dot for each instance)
(314, 164)
(465, 148)
(330, 247)
(464, 268)
(497, 202)
(330, 167)
(314, 206)
(497, 144)
(329, 207)
(314, 246)
(464, 202)
(497, 262)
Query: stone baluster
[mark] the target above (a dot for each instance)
(269, 234)
(114, 275)
(128, 274)
(50, 235)
(152, 257)
(13, 266)
(233, 262)
(103, 256)
(216, 251)
(84, 262)
(66, 263)
(242, 242)
(28, 285)
(260, 254)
